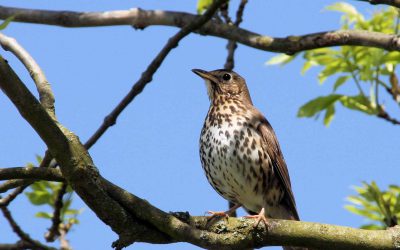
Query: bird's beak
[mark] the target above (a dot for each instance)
(205, 75)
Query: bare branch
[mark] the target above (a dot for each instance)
(47, 174)
(231, 46)
(4, 187)
(9, 198)
(16, 246)
(239, 233)
(24, 236)
(10, 184)
(394, 3)
(384, 115)
(54, 230)
(45, 93)
(147, 75)
(141, 18)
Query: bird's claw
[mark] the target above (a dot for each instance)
(215, 214)
(258, 217)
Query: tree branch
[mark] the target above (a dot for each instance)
(239, 233)
(54, 230)
(24, 237)
(9, 198)
(45, 93)
(141, 18)
(394, 3)
(47, 174)
(231, 46)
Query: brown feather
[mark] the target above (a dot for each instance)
(272, 148)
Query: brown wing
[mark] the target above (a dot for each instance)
(279, 165)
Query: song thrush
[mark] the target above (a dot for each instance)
(240, 153)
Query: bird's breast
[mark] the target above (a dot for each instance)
(232, 158)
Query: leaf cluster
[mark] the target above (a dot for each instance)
(382, 206)
(367, 69)
(45, 193)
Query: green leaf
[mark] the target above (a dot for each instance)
(280, 59)
(39, 159)
(73, 220)
(44, 215)
(307, 65)
(363, 212)
(359, 103)
(350, 12)
(39, 186)
(340, 81)
(329, 114)
(72, 211)
(333, 68)
(6, 22)
(39, 197)
(316, 105)
(343, 7)
(202, 5)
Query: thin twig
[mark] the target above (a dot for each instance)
(232, 45)
(10, 197)
(384, 115)
(147, 75)
(377, 70)
(10, 184)
(224, 10)
(54, 230)
(43, 87)
(17, 230)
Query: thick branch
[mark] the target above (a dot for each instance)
(45, 93)
(394, 3)
(141, 18)
(75, 163)
(47, 174)
(239, 233)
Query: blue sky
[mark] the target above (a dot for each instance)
(152, 151)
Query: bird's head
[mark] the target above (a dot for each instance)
(224, 84)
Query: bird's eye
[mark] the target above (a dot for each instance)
(226, 77)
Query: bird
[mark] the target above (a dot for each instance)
(240, 153)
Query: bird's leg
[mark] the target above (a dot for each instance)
(259, 217)
(223, 213)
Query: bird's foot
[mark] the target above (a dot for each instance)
(217, 214)
(259, 217)
(225, 214)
